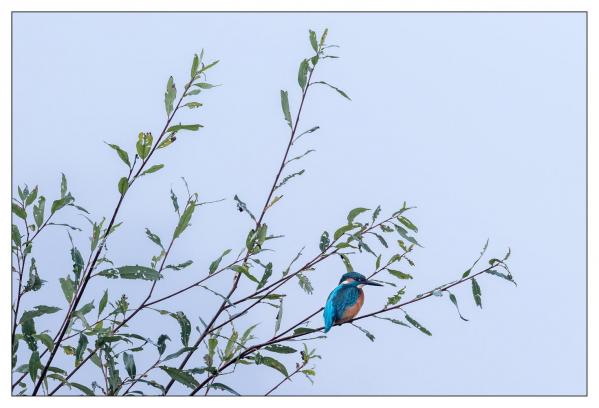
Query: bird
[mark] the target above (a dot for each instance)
(346, 300)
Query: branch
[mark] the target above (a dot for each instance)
(224, 304)
(279, 339)
(88, 273)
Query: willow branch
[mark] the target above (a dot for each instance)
(224, 304)
(88, 273)
(279, 339)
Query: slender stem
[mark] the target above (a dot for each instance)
(297, 370)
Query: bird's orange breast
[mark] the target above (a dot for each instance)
(352, 311)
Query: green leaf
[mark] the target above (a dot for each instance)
(179, 266)
(502, 275)
(266, 276)
(476, 293)
(223, 387)
(193, 105)
(273, 363)
(231, 343)
(376, 213)
(347, 263)
(103, 302)
(393, 300)
(177, 128)
(68, 288)
(405, 235)
(161, 343)
(170, 95)
(278, 348)
(244, 270)
(81, 345)
(323, 37)
(34, 283)
(154, 238)
(16, 235)
(63, 185)
(343, 230)
(28, 331)
(123, 185)
(31, 197)
(184, 220)
(77, 262)
(85, 309)
(407, 223)
(289, 177)
(216, 262)
(152, 169)
(122, 154)
(465, 274)
(382, 240)
(19, 211)
(194, 66)
(285, 107)
(395, 321)
(417, 325)
(39, 311)
(204, 85)
(129, 361)
(82, 388)
(185, 326)
(335, 88)
(303, 330)
(279, 316)
(302, 75)
(144, 144)
(131, 272)
(354, 213)
(241, 207)
(305, 283)
(313, 40)
(38, 211)
(324, 241)
(61, 202)
(46, 340)
(399, 274)
(178, 353)
(34, 365)
(181, 376)
(454, 300)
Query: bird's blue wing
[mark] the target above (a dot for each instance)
(342, 297)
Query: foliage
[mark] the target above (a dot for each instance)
(102, 330)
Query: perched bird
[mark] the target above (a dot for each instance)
(346, 300)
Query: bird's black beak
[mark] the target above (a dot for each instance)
(368, 282)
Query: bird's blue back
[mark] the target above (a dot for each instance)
(342, 297)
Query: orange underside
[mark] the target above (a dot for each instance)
(352, 311)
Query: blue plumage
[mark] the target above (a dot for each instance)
(345, 300)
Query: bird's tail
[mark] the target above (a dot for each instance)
(328, 318)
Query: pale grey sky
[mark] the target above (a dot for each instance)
(476, 119)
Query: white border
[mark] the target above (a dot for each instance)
(7, 6)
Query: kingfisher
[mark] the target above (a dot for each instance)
(346, 300)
